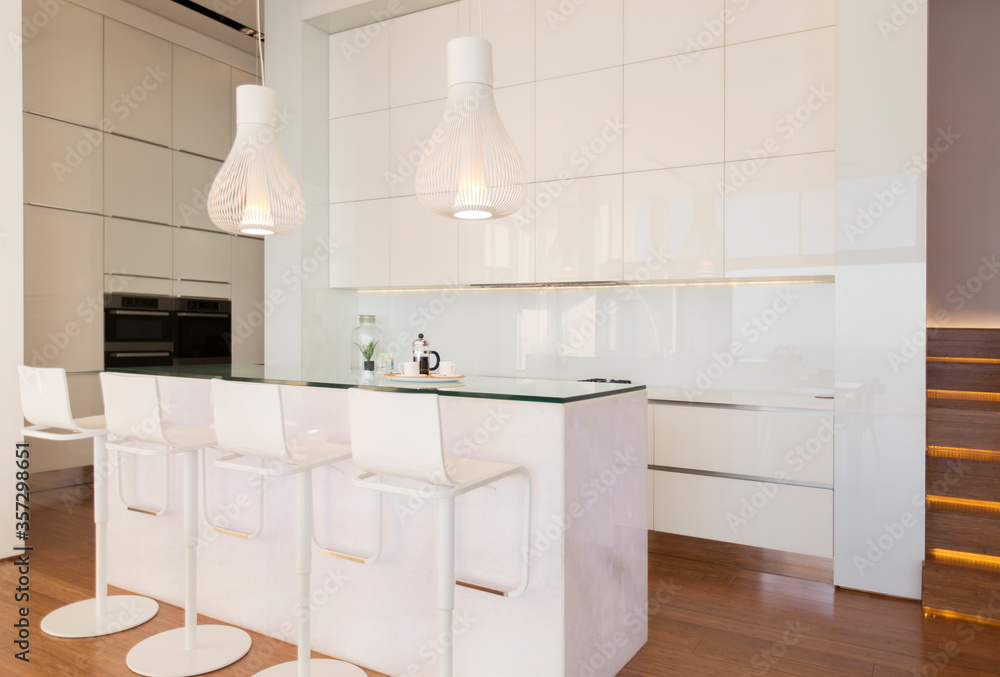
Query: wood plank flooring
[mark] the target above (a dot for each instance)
(713, 618)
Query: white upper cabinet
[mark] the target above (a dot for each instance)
(202, 257)
(137, 180)
(63, 165)
(63, 289)
(202, 104)
(359, 250)
(137, 83)
(193, 177)
(64, 64)
(423, 246)
(498, 251)
(133, 248)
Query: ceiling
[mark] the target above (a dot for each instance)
(241, 11)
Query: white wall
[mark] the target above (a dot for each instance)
(880, 297)
(11, 262)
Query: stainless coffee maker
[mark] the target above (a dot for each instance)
(422, 353)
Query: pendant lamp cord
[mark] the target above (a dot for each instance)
(260, 48)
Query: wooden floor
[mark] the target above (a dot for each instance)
(718, 617)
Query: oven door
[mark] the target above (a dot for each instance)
(138, 331)
(203, 332)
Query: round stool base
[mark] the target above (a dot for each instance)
(163, 655)
(318, 667)
(80, 618)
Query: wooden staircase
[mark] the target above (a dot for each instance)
(962, 567)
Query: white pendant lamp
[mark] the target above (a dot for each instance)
(470, 169)
(254, 192)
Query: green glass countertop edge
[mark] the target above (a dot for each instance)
(550, 391)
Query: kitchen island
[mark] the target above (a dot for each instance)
(584, 611)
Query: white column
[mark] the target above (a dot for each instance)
(880, 296)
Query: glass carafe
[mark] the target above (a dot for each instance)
(365, 340)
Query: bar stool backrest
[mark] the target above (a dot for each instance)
(249, 419)
(132, 407)
(398, 434)
(45, 397)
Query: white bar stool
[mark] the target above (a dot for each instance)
(45, 402)
(410, 448)
(134, 415)
(249, 422)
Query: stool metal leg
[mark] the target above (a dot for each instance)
(306, 666)
(194, 649)
(102, 615)
(446, 579)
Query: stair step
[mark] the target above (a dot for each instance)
(950, 426)
(970, 528)
(963, 343)
(961, 587)
(979, 376)
(964, 477)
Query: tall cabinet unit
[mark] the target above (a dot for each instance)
(124, 132)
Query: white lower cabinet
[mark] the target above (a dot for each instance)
(760, 514)
(762, 478)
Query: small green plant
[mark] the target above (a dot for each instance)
(367, 349)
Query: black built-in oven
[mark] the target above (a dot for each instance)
(138, 330)
(204, 331)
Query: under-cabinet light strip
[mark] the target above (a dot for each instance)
(601, 285)
(964, 454)
(965, 558)
(964, 505)
(962, 395)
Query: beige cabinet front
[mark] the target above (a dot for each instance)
(201, 256)
(138, 83)
(134, 248)
(202, 103)
(137, 180)
(63, 165)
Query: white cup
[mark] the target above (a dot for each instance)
(411, 368)
(446, 369)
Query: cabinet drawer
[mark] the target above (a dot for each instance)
(133, 248)
(780, 517)
(742, 442)
(202, 257)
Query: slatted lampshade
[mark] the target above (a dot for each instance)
(470, 169)
(254, 192)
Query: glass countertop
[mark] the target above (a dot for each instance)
(488, 387)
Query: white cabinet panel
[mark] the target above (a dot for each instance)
(780, 95)
(193, 176)
(675, 115)
(500, 251)
(780, 445)
(578, 230)
(133, 248)
(756, 20)
(359, 70)
(580, 125)
(510, 28)
(360, 164)
(410, 128)
(137, 179)
(63, 165)
(248, 300)
(138, 83)
(202, 104)
(237, 77)
(202, 257)
(360, 233)
(423, 246)
(658, 28)
(779, 517)
(63, 291)
(673, 224)
(780, 221)
(575, 37)
(64, 64)
(418, 57)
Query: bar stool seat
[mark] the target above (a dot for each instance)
(250, 426)
(134, 412)
(46, 405)
(411, 452)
